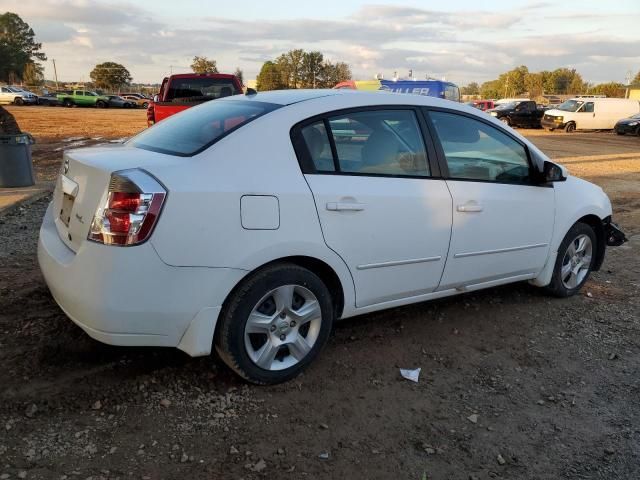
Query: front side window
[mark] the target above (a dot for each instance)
(588, 107)
(197, 128)
(477, 151)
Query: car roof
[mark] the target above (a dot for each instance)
(352, 97)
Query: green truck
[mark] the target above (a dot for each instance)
(83, 98)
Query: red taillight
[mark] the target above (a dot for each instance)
(134, 201)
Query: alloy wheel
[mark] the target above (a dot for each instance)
(283, 327)
(576, 262)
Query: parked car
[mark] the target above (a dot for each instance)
(168, 241)
(83, 98)
(17, 96)
(49, 99)
(629, 125)
(524, 113)
(120, 102)
(589, 114)
(483, 105)
(179, 92)
(138, 99)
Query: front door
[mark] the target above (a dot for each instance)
(502, 223)
(378, 205)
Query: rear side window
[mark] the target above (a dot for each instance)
(197, 128)
(376, 142)
(199, 89)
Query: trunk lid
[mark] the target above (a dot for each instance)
(83, 183)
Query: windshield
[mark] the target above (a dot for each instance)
(636, 116)
(507, 106)
(194, 130)
(570, 106)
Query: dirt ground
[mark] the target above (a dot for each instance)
(514, 384)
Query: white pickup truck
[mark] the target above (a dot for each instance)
(17, 96)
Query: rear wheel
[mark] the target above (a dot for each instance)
(638, 131)
(67, 103)
(505, 120)
(576, 257)
(275, 324)
(145, 105)
(18, 101)
(101, 104)
(570, 127)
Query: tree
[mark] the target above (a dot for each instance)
(17, 46)
(110, 76)
(270, 77)
(534, 84)
(204, 65)
(610, 89)
(491, 89)
(312, 69)
(239, 75)
(33, 74)
(334, 73)
(636, 79)
(471, 89)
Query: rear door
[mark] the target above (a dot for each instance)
(502, 221)
(381, 203)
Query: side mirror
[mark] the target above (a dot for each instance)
(156, 98)
(552, 173)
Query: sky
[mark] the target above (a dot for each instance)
(462, 40)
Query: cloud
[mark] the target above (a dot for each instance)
(470, 46)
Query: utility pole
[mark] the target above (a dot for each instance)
(55, 72)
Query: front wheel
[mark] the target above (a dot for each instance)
(275, 324)
(570, 127)
(101, 104)
(67, 103)
(145, 105)
(506, 121)
(576, 257)
(18, 101)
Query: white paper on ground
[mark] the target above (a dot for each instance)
(412, 375)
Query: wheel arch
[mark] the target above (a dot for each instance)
(319, 267)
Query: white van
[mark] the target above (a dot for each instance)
(589, 113)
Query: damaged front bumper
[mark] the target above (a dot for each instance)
(613, 233)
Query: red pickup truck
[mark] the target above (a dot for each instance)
(182, 91)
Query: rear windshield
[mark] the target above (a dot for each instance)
(193, 130)
(199, 89)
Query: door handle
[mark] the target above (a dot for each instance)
(470, 208)
(350, 207)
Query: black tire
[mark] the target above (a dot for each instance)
(101, 104)
(638, 131)
(18, 101)
(570, 127)
(67, 103)
(549, 129)
(619, 132)
(229, 340)
(557, 286)
(506, 121)
(145, 105)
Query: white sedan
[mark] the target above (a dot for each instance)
(250, 224)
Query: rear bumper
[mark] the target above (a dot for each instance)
(128, 296)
